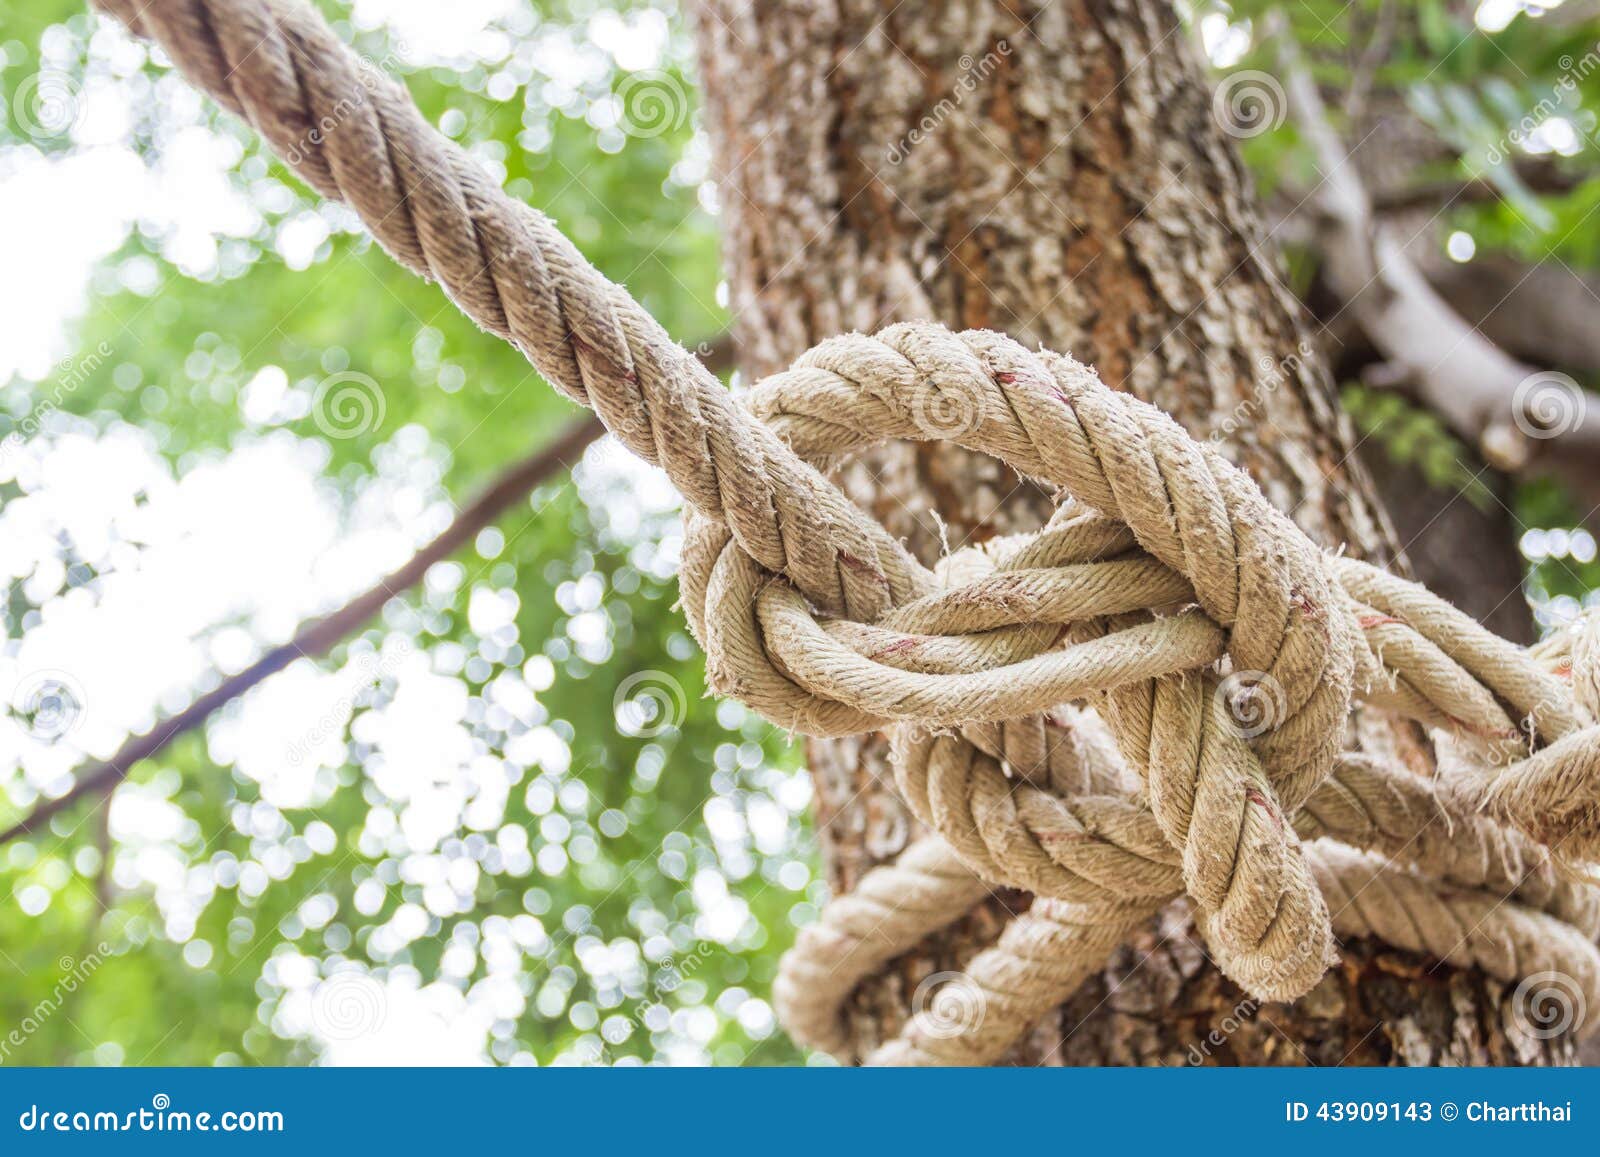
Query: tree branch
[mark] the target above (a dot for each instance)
(1475, 386)
(1544, 312)
(1370, 59)
(319, 636)
(1294, 215)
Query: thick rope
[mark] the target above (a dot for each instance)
(1503, 905)
(355, 136)
(1222, 647)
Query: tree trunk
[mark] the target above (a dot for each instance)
(1054, 171)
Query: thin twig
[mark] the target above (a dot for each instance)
(321, 635)
(1375, 53)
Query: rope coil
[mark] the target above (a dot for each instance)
(1221, 647)
(1219, 771)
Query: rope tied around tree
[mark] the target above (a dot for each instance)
(1220, 646)
(1237, 766)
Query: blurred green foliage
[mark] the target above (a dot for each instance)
(613, 955)
(1505, 95)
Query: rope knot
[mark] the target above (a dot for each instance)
(1163, 560)
(1220, 645)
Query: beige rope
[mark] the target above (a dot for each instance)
(1503, 907)
(1219, 644)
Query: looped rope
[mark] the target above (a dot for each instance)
(1226, 761)
(1219, 644)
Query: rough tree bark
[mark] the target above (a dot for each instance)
(1056, 171)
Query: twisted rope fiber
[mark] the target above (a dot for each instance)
(1220, 646)
(1548, 923)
